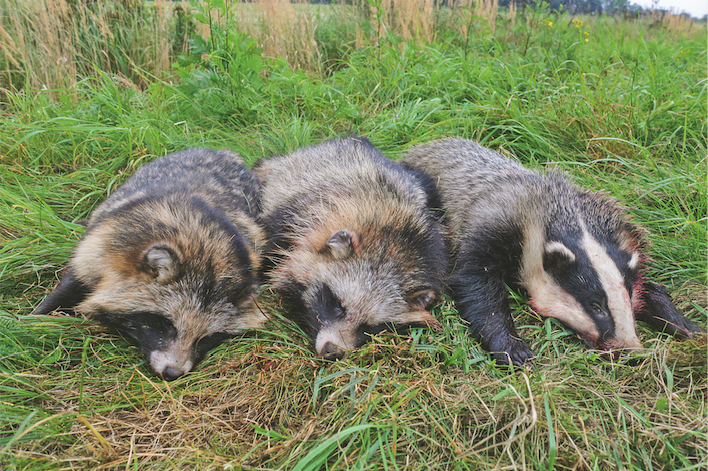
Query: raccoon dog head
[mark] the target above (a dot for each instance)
(171, 275)
(588, 275)
(354, 285)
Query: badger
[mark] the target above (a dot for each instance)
(575, 252)
(171, 259)
(352, 248)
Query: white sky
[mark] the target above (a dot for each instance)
(695, 8)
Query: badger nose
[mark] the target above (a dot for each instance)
(611, 355)
(614, 349)
(171, 374)
(331, 352)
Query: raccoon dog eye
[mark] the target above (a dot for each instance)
(208, 342)
(338, 310)
(327, 304)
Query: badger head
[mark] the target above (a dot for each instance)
(591, 285)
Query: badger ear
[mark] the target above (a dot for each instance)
(340, 245)
(556, 256)
(162, 262)
(421, 299)
(634, 261)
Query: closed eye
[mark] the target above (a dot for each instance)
(338, 310)
(599, 310)
(209, 342)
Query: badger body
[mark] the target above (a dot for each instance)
(575, 252)
(170, 260)
(352, 249)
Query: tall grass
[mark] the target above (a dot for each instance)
(622, 112)
(50, 44)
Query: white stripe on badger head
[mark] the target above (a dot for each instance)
(618, 300)
(548, 298)
(560, 248)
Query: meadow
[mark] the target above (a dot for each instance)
(92, 91)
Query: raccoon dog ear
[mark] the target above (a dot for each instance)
(162, 262)
(421, 299)
(557, 256)
(340, 245)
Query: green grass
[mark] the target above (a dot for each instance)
(625, 114)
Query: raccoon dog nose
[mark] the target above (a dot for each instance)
(331, 352)
(171, 374)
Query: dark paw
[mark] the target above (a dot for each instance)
(685, 329)
(513, 351)
(660, 313)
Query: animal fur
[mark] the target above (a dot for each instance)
(353, 249)
(171, 259)
(574, 251)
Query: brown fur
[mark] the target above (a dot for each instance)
(171, 258)
(347, 226)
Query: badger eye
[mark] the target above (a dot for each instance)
(598, 310)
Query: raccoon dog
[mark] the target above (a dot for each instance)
(575, 252)
(170, 260)
(353, 249)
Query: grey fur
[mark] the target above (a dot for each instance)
(171, 258)
(346, 225)
(510, 225)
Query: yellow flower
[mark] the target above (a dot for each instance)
(586, 40)
(586, 33)
(548, 22)
(577, 23)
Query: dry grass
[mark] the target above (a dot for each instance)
(36, 40)
(488, 10)
(282, 29)
(262, 402)
(680, 25)
(50, 44)
(410, 19)
(45, 44)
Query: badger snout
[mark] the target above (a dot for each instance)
(613, 349)
(331, 352)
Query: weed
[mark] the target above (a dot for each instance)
(624, 114)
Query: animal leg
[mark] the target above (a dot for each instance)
(659, 312)
(483, 301)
